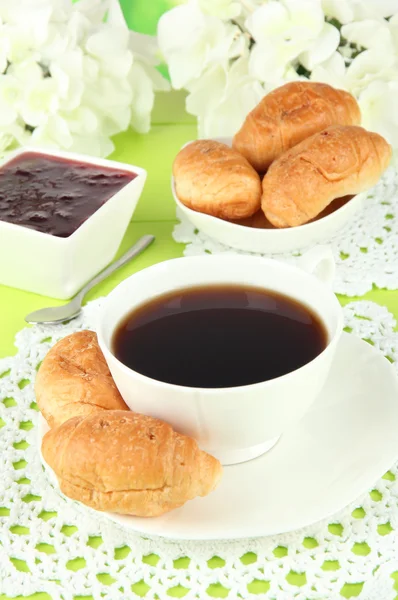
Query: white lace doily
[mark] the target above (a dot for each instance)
(365, 250)
(54, 545)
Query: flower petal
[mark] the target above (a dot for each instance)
(205, 93)
(39, 101)
(306, 15)
(178, 27)
(95, 145)
(379, 109)
(227, 118)
(54, 133)
(190, 41)
(332, 71)
(379, 9)
(143, 99)
(342, 10)
(223, 9)
(322, 48)
(110, 47)
(268, 61)
(370, 33)
(82, 121)
(270, 19)
(28, 72)
(368, 66)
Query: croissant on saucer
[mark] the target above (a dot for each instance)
(127, 463)
(290, 114)
(74, 380)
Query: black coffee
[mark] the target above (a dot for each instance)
(219, 336)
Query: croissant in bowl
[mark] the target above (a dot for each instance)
(212, 178)
(339, 161)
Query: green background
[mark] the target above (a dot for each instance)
(155, 214)
(143, 15)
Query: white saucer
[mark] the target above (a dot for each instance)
(270, 241)
(336, 453)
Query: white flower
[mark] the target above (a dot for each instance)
(10, 92)
(347, 11)
(223, 9)
(378, 103)
(110, 47)
(191, 41)
(112, 99)
(19, 11)
(68, 73)
(289, 30)
(98, 145)
(12, 136)
(144, 80)
(370, 66)
(143, 98)
(369, 33)
(93, 10)
(373, 78)
(321, 48)
(27, 72)
(367, 67)
(82, 121)
(38, 102)
(4, 51)
(332, 71)
(222, 99)
(68, 76)
(54, 133)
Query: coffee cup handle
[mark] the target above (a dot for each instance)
(319, 261)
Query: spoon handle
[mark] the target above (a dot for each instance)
(136, 249)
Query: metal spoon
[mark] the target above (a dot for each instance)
(57, 314)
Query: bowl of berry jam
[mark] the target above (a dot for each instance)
(62, 218)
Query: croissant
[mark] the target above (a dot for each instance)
(74, 379)
(290, 114)
(212, 178)
(339, 161)
(128, 463)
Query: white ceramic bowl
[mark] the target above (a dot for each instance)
(59, 267)
(270, 241)
(238, 423)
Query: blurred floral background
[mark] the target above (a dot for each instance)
(73, 74)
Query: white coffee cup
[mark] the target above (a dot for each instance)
(239, 423)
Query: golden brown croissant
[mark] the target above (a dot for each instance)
(74, 379)
(337, 162)
(128, 463)
(212, 178)
(290, 114)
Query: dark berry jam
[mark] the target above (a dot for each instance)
(55, 195)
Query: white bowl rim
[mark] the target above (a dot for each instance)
(286, 231)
